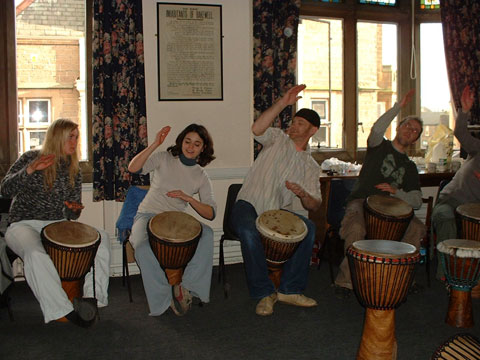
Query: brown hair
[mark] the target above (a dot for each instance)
(206, 156)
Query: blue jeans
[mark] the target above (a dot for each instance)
(295, 270)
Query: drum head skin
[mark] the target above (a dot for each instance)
(460, 247)
(385, 248)
(388, 205)
(175, 226)
(470, 210)
(281, 225)
(71, 234)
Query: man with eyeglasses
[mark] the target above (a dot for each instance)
(387, 170)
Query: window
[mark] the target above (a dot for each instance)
(435, 100)
(320, 66)
(51, 65)
(376, 74)
(370, 51)
(33, 126)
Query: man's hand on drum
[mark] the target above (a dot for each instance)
(387, 188)
(179, 194)
(74, 206)
(296, 189)
(40, 163)
(162, 134)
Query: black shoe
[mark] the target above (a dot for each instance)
(84, 312)
(342, 292)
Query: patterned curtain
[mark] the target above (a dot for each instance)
(275, 25)
(119, 109)
(461, 33)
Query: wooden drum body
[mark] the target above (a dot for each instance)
(460, 347)
(468, 219)
(382, 273)
(386, 217)
(461, 263)
(72, 246)
(281, 233)
(174, 237)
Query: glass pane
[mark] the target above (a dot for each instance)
(429, 4)
(377, 76)
(435, 100)
(51, 63)
(320, 66)
(378, 2)
(38, 112)
(35, 139)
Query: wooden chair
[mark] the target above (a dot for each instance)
(340, 188)
(228, 234)
(425, 243)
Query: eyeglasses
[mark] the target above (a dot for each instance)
(412, 128)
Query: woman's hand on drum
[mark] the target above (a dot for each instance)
(162, 134)
(41, 163)
(179, 194)
(386, 187)
(74, 206)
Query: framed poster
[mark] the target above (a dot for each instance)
(189, 52)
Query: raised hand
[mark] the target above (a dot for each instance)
(296, 189)
(41, 163)
(467, 99)
(179, 194)
(291, 96)
(407, 98)
(162, 134)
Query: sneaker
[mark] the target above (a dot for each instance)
(181, 300)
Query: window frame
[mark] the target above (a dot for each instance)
(350, 12)
(8, 89)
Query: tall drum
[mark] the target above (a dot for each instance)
(382, 272)
(281, 233)
(72, 246)
(459, 347)
(174, 237)
(386, 217)
(461, 263)
(468, 219)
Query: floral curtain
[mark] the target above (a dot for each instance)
(119, 109)
(461, 33)
(275, 25)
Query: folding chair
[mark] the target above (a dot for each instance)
(233, 190)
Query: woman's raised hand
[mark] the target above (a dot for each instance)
(41, 163)
(162, 134)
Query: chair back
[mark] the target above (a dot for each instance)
(340, 189)
(135, 195)
(233, 190)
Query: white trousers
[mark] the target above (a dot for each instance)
(23, 237)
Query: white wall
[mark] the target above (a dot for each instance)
(228, 121)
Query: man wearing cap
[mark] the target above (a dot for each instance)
(284, 169)
(387, 170)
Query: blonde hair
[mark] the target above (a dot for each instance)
(57, 134)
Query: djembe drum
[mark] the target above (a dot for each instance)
(468, 225)
(72, 246)
(460, 259)
(459, 347)
(468, 220)
(382, 272)
(174, 237)
(281, 233)
(386, 217)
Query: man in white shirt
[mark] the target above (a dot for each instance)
(283, 169)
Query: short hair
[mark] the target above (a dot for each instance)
(413, 117)
(206, 156)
